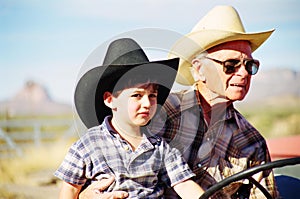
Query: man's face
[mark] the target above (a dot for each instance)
(234, 86)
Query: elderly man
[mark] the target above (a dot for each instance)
(216, 140)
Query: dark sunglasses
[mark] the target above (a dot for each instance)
(230, 66)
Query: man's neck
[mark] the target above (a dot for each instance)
(213, 105)
(211, 98)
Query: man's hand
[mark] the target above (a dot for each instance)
(95, 190)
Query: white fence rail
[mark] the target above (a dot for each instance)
(17, 134)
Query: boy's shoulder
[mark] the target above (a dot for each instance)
(94, 132)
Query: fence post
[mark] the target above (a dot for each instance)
(11, 144)
(37, 134)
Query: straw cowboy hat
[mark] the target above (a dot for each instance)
(124, 60)
(222, 24)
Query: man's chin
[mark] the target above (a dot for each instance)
(237, 99)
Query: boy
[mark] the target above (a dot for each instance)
(123, 96)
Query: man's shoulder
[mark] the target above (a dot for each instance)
(244, 124)
(181, 93)
(241, 119)
(180, 98)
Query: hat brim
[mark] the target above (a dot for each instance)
(91, 86)
(196, 42)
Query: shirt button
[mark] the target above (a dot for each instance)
(199, 165)
(126, 148)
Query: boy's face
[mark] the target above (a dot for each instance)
(135, 106)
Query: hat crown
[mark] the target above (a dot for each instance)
(224, 18)
(220, 25)
(124, 51)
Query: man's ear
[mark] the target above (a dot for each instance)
(197, 67)
(108, 99)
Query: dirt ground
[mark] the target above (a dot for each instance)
(40, 185)
(13, 191)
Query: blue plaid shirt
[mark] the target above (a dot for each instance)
(143, 173)
(230, 144)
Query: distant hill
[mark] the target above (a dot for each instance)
(274, 83)
(33, 100)
(278, 85)
(275, 87)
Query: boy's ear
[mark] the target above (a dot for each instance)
(108, 98)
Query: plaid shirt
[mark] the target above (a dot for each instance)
(143, 172)
(229, 145)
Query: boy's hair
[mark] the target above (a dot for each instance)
(116, 92)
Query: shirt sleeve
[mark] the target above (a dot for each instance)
(72, 169)
(176, 167)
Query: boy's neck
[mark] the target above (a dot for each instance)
(132, 134)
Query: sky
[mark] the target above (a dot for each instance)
(49, 42)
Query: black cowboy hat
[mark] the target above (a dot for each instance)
(124, 60)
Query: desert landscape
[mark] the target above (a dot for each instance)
(272, 106)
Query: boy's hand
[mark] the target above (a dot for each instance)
(95, 190)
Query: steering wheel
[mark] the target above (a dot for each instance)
(246, 174)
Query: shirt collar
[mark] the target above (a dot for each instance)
(107, 123)
(189, 99)
(153, 139)
(193, 97)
